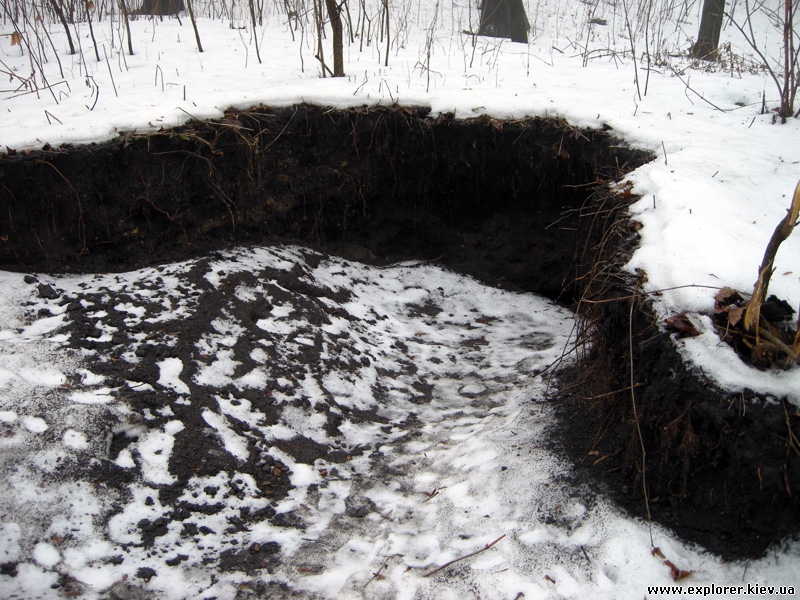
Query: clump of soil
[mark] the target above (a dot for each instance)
(759, 329)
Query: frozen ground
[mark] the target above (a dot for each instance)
(270, 421)
(126, 366)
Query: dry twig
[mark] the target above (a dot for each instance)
(455, 560)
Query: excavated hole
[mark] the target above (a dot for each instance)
(521, 204)
(498, 200)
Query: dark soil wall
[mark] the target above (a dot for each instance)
(720, 470)
(482, 196)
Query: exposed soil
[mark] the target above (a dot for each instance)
(507, 202)
(480, 196)
(720, 470)
(259, 397)
(198, 451)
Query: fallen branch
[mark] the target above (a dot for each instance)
(455, 560)
(696, 93)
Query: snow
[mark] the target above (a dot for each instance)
(475, 468)
(75, 440)
(471, 469)
(46, 555)
(34, 424)
(170, 375)
(154, 450)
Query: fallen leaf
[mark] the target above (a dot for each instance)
(735, 315)
(681, 324)
(677, 574)
(727, 296)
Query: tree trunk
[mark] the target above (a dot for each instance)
(789, 90)
(710, 27)
(335, 15)
(194, 25)
(161, 7)
(63, 20)
(504, 19)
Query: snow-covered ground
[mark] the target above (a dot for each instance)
(469, 467)
(405, 405)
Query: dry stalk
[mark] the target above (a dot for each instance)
(796, 343)
(793, 442)
(60, 13)
(377, 574)
(255, 33)
(194, 25)
(753, 313)
(124, 8)
(638, 426)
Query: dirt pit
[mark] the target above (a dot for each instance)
(521, 205)
(497, 200)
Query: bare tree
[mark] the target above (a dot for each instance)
(335, 15)
(710, 27)
(782, 69)
(63, 20)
